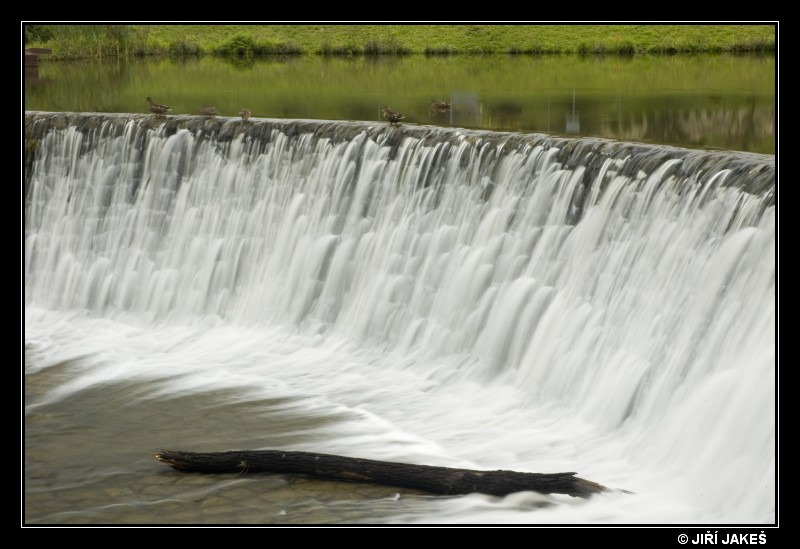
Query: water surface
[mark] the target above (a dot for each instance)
(704, 101)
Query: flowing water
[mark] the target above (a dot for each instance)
(441, 296)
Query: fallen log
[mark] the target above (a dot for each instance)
(428, 478)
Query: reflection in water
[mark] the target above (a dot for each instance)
(721, 101)
(465, 110)
(573, 124)
(746, 128)
(31, 74)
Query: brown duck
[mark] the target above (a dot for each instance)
(155, 108)
(440, 106)
(392, 116)
(245, 114)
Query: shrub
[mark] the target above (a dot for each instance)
(626, 48)
(183, 48)
(38, 33)
(440, 50)
(239, 45)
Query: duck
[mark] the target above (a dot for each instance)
(440, 106)
(245, 114)
(209, 111)
(155, 108)
(392, 116)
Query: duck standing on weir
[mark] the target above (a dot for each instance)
(155, 108)
(392, 116)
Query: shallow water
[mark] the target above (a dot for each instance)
(89, 456)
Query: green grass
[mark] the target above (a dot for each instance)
(248, 41)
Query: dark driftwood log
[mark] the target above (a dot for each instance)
(436, 480)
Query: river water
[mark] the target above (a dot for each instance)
(429, 295)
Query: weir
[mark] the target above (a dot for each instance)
(629, 286)
(428, 225)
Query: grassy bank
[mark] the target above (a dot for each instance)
(246, 41)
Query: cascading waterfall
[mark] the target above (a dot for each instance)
(479, 299)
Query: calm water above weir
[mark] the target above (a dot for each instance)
(705, 101)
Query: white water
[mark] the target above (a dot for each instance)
(632, 341)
